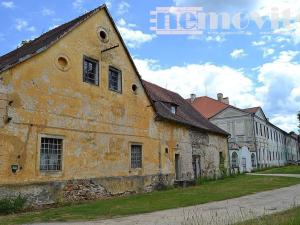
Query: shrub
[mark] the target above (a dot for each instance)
(12, 205)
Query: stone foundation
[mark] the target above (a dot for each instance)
(38, 194)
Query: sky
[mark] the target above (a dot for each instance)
(254, 60)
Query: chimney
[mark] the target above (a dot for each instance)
(226, 100)
(193, 97)
(222, 99)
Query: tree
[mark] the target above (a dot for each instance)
(299, 120)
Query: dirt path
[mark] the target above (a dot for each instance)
(215, 213)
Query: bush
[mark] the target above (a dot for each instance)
(12, 205)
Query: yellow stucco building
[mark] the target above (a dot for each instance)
(75, 115)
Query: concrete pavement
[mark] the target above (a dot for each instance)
(275, 175)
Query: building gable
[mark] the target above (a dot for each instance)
(57, 74)
(228, 113)
(259, 113)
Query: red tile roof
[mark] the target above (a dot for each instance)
(185, 114)
(207, 106)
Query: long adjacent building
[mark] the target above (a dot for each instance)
(77, 121)
(251, 130)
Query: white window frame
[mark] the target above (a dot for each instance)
(39, 153)
(142, 156)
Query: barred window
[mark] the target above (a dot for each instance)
(234, 160)
(115, 80)
(136, 156)
(90, 71)
(51, 154)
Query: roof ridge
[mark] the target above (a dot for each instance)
(187, 114)
(160, 87)
(34, 47)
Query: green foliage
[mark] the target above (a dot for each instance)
(292, 169)
(216, 190)
(12, 205)
(299, 119)
(290, 217)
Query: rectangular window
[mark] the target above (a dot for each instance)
(261, 132)
(90, 71)
(256, 127)
(51, 154)
(115, 80)
(136, 156)
(173, 109)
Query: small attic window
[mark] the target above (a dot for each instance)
(102, 34)
(173, 109)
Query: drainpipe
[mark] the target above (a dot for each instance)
(228, 153)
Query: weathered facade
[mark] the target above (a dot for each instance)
(76, 121)
(268, 145)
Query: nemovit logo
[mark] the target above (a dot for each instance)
(194, 21)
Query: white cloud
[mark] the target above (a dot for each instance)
(219, 5)
(47, 12)
(133, 38)
(258, 43)
(287, 56)
(263, 7)
(276, 88)
(292, 32)
(280, 89)
(78, 5)
(123, 8)
(8, 4)
(196, 78)
(267, 52)
(53, 26)
(217, 38)
(108, 4)
(238, 53)
(23, 25)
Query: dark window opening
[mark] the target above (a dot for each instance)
(90, 71)
(173, 109)
(134, 88)
(136, 156)
(103, 34)
(115, 80)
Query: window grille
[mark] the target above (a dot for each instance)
(51, 154)
(115, 80)
(136, 156)
(90, 71)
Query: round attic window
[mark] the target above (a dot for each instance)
(103, 35)
(62, 62)
(134, 88)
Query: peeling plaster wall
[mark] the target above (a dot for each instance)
(208, 147)
(97, 125)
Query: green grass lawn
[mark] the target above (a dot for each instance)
(207, 192)
(290, 217)
(283, 170)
